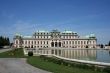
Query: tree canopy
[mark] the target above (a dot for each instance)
(4, 41)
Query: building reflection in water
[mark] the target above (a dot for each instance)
(86, 54)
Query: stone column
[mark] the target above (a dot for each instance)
(71, 53)
(57, 52)
(54, 51)
(61, 53)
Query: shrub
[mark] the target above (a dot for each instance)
(30, 53)
(107, 69)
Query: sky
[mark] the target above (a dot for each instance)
(82, 16)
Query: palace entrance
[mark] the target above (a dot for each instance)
(55, 44)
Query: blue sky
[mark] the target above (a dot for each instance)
(82, 16)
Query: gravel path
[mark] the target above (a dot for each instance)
(17, 65)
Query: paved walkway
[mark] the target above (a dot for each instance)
(17, 65)
(3, 50)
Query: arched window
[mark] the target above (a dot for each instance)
(52, 44)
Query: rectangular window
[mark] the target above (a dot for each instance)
(47, 42)
(75, 42)
(84, 42)
(23, 42)
(44, 42)
(28, 42)
(70, 37)
(41, 36)
(66, 42)
(81, 42)
(72, 42)
(34, 42)
(41, 42)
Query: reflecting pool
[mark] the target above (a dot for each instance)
(103, 56)
(99, 55)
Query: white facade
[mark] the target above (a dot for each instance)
(45, 39)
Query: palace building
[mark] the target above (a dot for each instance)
(55, 39)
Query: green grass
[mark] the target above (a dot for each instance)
(15, 53)
(56, 68)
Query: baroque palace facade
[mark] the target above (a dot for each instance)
(55, 39)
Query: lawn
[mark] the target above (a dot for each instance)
(56, 68)
(15, 53)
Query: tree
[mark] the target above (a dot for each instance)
(101, 46)
(4, 41)
(109, 43)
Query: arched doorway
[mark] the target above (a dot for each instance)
(31, 46)
(59, 44)
(55, 44)
(52, 44)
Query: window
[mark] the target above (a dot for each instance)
(73, 42)
(47, 42)
(78, 42)
(44, 42)
(70, 42)
(41, 36)
(69, 37)
(16, 41)
(34, 42)
(41, 42)
(38, 42)
(28, 42)
(25, 42)
(84, 42)
(66, 42)
(81, 42)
